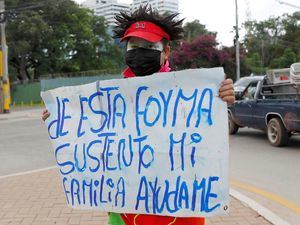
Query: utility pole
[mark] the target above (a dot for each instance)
(237, 43)
(4, 84)
(262, 55)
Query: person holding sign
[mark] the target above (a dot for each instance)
(147, 35)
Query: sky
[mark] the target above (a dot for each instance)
(219, 15)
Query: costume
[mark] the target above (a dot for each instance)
(140, 219)
(146, 32)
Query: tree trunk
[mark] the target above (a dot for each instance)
(22, 70)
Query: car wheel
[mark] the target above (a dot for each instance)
(233, 127)
(277, 134)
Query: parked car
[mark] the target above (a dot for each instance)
(274, 108)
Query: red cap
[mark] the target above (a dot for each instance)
(146, 30)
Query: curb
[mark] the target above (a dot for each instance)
(27, 172)
(261, 210)
(22, 114)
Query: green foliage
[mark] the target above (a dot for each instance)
(254, 62)
(194, 29)
(288, 58)
(57, 36)
(273, 43)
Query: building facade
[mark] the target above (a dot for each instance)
(163, 6)
(109, 8)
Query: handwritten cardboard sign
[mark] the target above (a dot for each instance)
(149, 145)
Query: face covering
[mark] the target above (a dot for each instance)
(143, 61)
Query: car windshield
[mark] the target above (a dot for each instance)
(242, 82)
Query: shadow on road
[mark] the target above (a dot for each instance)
(257, 135)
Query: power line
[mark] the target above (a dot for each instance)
(24, 8)
(270, 39)
(20, 6)
(288, 4)
(12, 12)
(31, 5)
(288, 42)
(281, 43)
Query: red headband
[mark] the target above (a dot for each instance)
(146, 30)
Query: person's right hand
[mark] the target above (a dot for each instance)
(45, 114)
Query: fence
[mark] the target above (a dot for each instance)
(29, 94)
(26, 94)
(47, 84)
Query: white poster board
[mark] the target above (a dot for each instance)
(148, 145)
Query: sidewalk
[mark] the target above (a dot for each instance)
(38, 199)
(22, 113)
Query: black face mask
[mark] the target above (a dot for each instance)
(143, 61)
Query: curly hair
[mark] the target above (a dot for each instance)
(168, 23)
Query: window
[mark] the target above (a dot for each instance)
(249, 93)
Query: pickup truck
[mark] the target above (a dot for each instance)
(274, 108)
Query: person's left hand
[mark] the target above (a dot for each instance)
(226, 91)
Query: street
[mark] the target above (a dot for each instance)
(24, 146)
(257, 169)
(265, 173)
(254, 161)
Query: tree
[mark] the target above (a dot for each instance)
(57, 36)
(24, 41)
(254, 62)
(287, 59)
(229, 62)
(267, 41)
(194, 29)
(202, 52)
(199, 53)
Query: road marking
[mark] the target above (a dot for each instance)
(276, 198)
(27, 172)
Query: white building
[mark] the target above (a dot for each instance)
(109, 8)
(163, 6)
(91, 4)
(106, 8)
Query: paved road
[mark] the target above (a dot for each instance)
(267, 174)
(24, 146)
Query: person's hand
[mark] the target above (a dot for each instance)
(45, 114)
(226, 91)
